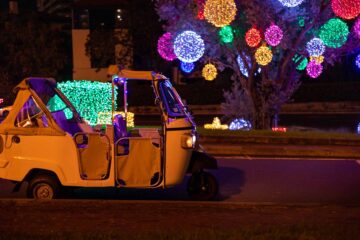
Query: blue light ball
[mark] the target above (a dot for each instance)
(357, 61)
(240, 124)
(189, 46)
(315, 47)
(291, 3)
(187, 67)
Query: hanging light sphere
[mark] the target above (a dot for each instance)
(319, 59)
(226, 34)
(253, 37)
(303, 64)
(291, 3)
(209, 72)
(346, 9)
(189, 46)
(314, 69)
(220, 12)
(357, 61)
(165, 47)
(263, 55)
(187, 67)
(315, 47)
(334, 33)
(357, 27)
(273, 35)
(200, 7)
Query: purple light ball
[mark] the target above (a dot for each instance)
(357, 27)
(165, 47)
(273, 35)
(314, 69)
(357, 61)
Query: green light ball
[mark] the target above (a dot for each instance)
(226, 34)
(334, 33)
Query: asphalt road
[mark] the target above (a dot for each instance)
(254, 181)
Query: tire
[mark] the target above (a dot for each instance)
(43, 187)
(202, 186)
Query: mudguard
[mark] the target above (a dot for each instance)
(201, 160)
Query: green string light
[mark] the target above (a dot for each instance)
(88, 97)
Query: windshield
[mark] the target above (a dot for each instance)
(173, 103)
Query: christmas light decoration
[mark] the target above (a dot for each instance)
(88, 97)
(165, 47)
(253, 37)
(189, 46)
(220, 12)
(357, 61)
(187, 67)
(273, 35)
(216, 124)
(209, 72)
(226, 34)
(242, 65)
(240, 124)
(263, 55)
(105, 118)
(314, 69)
(357, 27)
(291, 3)
(346, 9)
(334, 33)
(319, 59)
(1, 100)
(301, 21)
(303, 62)
(315, 47)
(200, 7)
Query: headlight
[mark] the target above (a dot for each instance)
(188, 141)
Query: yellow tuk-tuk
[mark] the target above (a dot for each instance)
(56, 149)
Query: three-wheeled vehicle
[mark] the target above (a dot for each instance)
(53, 148)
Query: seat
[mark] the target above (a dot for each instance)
(120, 130)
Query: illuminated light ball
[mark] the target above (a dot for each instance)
(291, 3)
(334, 33)
(263, 55)
(209, 72)
(303, 64)
(253, 37)
(357, 28)
(314, 69)
(165, 47)
(301, 21)
(200, 7)
(189, 46)
(319, 59)
(240, 124)
(187, 67)
(226, 34)
(357, 61)
(273, 35)
(315, 47)
(346, 9)
(220, 12)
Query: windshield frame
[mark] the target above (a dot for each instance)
(167, 91)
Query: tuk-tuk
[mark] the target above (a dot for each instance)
(54, 149)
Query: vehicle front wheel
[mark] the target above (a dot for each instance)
(43, 187)
(202, 186)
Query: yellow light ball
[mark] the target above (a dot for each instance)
(263, 55)
(209, 72)
(220, 12)
(318, 60)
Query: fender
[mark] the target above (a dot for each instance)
(201, 160)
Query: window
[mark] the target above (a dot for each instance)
(31, 116)
(173, 104)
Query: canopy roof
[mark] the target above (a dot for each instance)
(134, 75)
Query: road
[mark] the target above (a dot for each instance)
(254, 181)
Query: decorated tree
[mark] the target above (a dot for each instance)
(268, 44)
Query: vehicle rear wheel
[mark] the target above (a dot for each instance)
(202, 186)
(43, 187)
